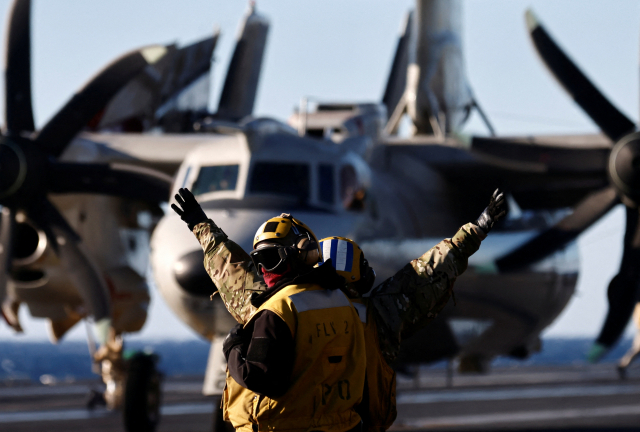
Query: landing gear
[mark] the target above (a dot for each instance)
(141, 407)
(95, 398)
(474, 363)
(132, 384)
(112, 369)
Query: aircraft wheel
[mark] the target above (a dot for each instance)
(95, 398)
(141, 408)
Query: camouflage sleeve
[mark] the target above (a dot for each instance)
(411, 298)
(230, 269)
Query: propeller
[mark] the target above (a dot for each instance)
(623, 169)
(18, 111)
(7, 226)
(30, 170)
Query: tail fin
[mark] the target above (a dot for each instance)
(241, 84)
(397, 82)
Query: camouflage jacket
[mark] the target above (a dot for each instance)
(401, 305)
(230, 269)
(407, 301)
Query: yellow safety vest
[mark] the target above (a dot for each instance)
(328, 373)
(381, 378)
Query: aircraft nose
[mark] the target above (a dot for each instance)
(191, 275)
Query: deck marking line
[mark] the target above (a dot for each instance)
(68, 414)
(174, 387)
(523, 393)
(517, 417)
(84, 414)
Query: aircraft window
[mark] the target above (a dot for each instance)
(216, 178)
(315, 133)
(325, 185)
(281, 179)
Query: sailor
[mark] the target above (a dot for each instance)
(402, 304)
(297, 361)
(414, 295)
(378, 407)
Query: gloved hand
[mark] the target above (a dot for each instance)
(233, 339)
(189, 210)
(495, 211)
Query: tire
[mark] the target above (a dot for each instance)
(141, 408)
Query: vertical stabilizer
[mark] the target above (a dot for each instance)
(241, 84)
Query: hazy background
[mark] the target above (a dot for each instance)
(342, 50)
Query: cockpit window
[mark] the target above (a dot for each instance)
(216, 178)
(186, 177)
(325, 184)
(288, 179)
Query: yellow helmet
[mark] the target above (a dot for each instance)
(349, 261)
(290, 233)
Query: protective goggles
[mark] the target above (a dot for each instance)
(270, 258)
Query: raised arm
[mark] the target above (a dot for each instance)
(407, 301)
(228, 265)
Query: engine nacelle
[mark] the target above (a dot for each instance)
(624, 168)
(29, 244)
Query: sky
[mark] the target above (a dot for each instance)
(341, 50)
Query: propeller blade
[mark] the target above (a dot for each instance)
(93, 98)
(585, 214)
(623, 288)
(17, 81)
(122, 180)
(8, 307)
(77, 262)
(527, 154)
(7, 225)
(609, 119)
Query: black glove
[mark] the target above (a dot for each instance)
(495, 211)
(189, 210)
(233, 339)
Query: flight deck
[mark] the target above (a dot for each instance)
(574, 397)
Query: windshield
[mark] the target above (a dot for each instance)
(216, 178)
(288, 179)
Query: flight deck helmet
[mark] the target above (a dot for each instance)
(284, 239)
(349, 261)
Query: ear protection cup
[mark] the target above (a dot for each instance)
(308, 250)
(312, 257)
(303, 243)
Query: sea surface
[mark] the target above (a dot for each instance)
(69, 361)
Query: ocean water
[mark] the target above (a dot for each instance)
(70, 361)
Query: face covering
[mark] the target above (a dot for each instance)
(273, 278)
